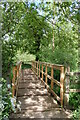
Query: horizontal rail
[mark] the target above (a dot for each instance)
(72, 73)
(57, 97)
(56, 66)
(67, 84)
(37, 67)
(74, 90)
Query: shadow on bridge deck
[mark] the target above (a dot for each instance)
(36, 101)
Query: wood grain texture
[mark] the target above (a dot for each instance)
(36, 101)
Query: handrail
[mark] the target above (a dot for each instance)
(16, 77)
(36, 68)
(72, 73)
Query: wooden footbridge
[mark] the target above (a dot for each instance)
(37, 97)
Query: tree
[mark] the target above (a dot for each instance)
(23, 29)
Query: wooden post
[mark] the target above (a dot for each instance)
(20, 71)
(17, 69)
(46, 74)
(62, 85)
(35, 67)
(42, 71)
(17, 75)
(66, 87)
(32, 65)
(13, 82)
(39, 69)
(52, 78)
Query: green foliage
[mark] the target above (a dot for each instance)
(8, 52)
(28, 31)
(65, 51)
(24, 30)
(5, 104)
(26, 66)
(76, 114)
(74, 100)
(25, 57)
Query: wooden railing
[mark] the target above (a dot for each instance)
(70, 82)
(16, 78)
(36, 65)
(76, 82)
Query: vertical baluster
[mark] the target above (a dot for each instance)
(35, 67)
(20, 71)
(42, 71)
(52, 77)
(13, 82)
(32, 65)
(46, 74)
(39, 69)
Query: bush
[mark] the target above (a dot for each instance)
(6, 105)
(76, 114)
(74, 100)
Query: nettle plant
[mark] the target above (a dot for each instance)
(7, 103)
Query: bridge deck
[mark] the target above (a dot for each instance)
(36, 101)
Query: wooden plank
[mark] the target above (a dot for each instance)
(56, 113)
(45, 101)
(34, 92)
(31, 84)
(38, 103)
(38, 108)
